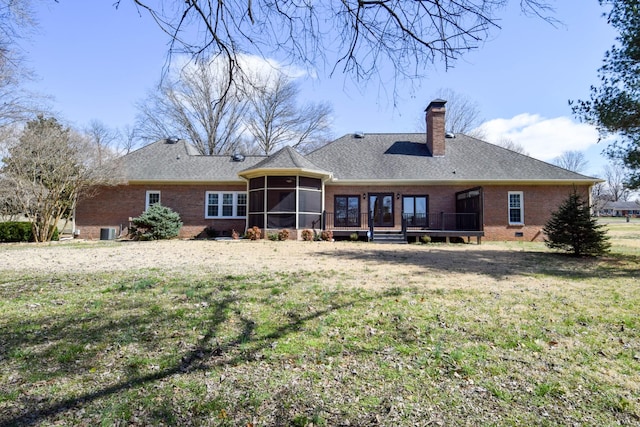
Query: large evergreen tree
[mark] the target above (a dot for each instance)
(614, 106)
(572, 229)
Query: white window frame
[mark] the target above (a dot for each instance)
(148, 194)
(520, 195)
(234, 214)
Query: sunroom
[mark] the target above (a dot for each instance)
(285, 191)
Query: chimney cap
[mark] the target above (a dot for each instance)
(436, 103)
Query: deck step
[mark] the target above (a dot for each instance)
(389, 237)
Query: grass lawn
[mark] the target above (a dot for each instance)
(553, 340)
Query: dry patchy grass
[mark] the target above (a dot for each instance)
(302, 334)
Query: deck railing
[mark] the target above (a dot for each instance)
(444, 221)
(349, 222)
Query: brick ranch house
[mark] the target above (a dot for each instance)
(377, 185)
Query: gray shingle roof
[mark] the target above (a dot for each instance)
(287, 158)
(378, 157)
(622, 205)
(163, 161)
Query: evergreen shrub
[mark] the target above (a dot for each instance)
(157, 223)
(20, 231)
(572, 229)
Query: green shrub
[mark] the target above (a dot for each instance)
(158, 222)
(14, 231)
(354, 237)
(425, 239)
(273, 237)
(20, 231)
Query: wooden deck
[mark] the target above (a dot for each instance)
(412, 233)
(446, 225)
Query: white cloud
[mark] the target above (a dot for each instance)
(541, 137)
(256, 67)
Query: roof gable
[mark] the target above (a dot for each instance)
(285, 160)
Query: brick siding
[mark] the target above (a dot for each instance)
(112, 207)
(538, 203)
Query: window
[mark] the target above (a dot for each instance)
(516, 208)
(225, 205)
(415, 210)
(347, 211)
(241, 205)
(152, 198)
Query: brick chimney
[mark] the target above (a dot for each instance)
(435, 127)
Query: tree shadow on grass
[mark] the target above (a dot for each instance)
(497, 264)
(210, 350)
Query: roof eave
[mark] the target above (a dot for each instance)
(337, 181)
(182, 182)
(253, 173)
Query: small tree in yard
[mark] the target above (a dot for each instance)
(44, 171)
(156, 223)
(572, 229)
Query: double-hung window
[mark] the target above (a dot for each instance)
(225, 204)
(516, 208)
(152, 198)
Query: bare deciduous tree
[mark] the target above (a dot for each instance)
(408, 35)
(16, 17)
(200, 103)
(16, 104)
(599, 196)
(274, 118)
(615, 175)
(103, 138)
(463, 114)
(48, 167)
(510, 144)
(571, 160)
(129, 137)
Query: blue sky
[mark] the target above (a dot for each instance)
(97, 62)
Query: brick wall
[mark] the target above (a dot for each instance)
(112, 207)
(539, 202)
(441, 198)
